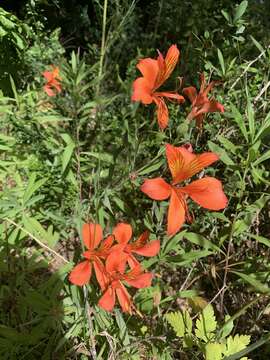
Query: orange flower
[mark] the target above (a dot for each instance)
(183, 164)
(115, 275)
(92, 236)
(53, 85)
(155, 73)
(123, 233)
(200, 103)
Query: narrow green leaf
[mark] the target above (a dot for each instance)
(250, 279)
(224, 157)
(221, 61)
(67, 154)
(151, 168)
(240, 10)
(261, 239)
(226, 15)
(258, 46)
(32, 186)
(262, 158)
(201, 241)
(251, 120)
(73, 62)
(264, 129)
(238, 118)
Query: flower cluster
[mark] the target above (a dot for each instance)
(52, 86)
(110, 257)
(113, 258)
(182, 162)
(155, 73)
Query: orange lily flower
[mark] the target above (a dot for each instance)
(155, 73)
(115, 275)
(53, 85)
(183, 164)
(123, 233)
(200, 103)
(92, 235)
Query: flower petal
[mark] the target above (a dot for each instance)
(106, 246)
(183, 164)
(132, 262)
(170, 95)
(200, 162)
(142, 91)
(141, 281)
(156, 189)
(81, 273)
(48, 90)
(211, 106)
(176, 213)
(107, 301)
(101, 277)
(48, 75)
(149, 249)
(122, 233)
(178, 159)
(124, 298)
(92, 235)
(149, 69)
(162, 112)
(171, 60)
(55, 72)
(207, 192)
(167, 66)
(203, 83)
(190, 92)
(56, 85)
(116, 262)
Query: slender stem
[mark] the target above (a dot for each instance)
(40, 243)
(103, 49)
(88, 309)
(231, 237)
(158, 20)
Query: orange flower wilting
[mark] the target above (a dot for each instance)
(155, 73)
(183, 164)
(200, 104)
(53, 86)
(114, 277)
(109, 260)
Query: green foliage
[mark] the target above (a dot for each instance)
(83, 154)
(206, 336)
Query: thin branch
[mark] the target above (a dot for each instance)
(39, 242)
(248, 66)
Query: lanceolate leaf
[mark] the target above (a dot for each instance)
(250, 279)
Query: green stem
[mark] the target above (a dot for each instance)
(103, 39)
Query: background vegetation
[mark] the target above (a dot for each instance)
(82, 155)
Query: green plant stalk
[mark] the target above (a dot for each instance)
(231, 235)
(39, 242)
(103, 48)
(88, 309)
